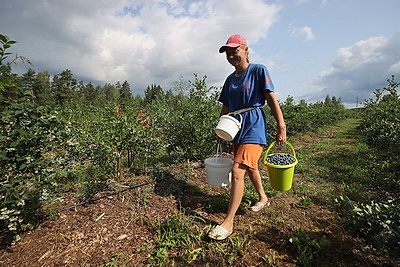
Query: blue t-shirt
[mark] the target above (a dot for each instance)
(246, 91)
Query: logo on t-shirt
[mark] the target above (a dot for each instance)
(268, 79)
(246, 86)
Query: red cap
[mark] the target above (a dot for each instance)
(235, 40)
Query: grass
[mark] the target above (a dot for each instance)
(180, 239)
(176, 232)
(342, 172)
(334, 162)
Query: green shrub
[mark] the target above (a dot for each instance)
(112, 138)
(378, 224)
(380, 123)
(29, 135)
(304, 117)
(186, 122)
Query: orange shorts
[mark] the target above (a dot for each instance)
(248, 154)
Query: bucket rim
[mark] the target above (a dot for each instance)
(211, 162)
(231, 118)
(281, 166)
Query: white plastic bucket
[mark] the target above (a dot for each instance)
(218, 171)
(228, 127)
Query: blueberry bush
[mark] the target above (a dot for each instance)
(380, 122)
(378, 220)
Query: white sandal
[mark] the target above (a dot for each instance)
(259, 206)
(219, 233)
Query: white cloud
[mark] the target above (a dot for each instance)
(359, 69)
(306, 30)
(300, 2)
(141, 41)
(324, 3)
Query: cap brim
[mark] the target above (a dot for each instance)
(231, 45)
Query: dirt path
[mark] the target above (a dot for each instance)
(121, 230)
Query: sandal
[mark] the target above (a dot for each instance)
(219, 233)
(259, 206)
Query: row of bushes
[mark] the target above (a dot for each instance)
(47, 149)
(378, 221)
(380, 122)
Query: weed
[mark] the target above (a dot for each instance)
(114, 261)
(241, 243)
(307, 248)
(177, 238)
(304, 201)
(226, 253)
(271, 260)
(343, 204)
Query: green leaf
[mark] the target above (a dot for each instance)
(4, 38)
(3, 155)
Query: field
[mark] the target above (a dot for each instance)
(92, 176)
(167, 221)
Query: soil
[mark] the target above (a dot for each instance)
(118, 227)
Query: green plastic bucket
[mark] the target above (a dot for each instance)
(280, 176)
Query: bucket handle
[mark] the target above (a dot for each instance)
(273, 143)
(233, 115)
(240, 121)
(218, 149)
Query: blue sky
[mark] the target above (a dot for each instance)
(312, 37)
(313, 48)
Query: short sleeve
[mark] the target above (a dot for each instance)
(265, 79)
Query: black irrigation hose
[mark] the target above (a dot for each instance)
(110, 194)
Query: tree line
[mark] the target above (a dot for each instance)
(63, 89)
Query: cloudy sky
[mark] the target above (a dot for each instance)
(313, 48)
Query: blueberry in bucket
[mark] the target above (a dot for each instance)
(280, 159)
